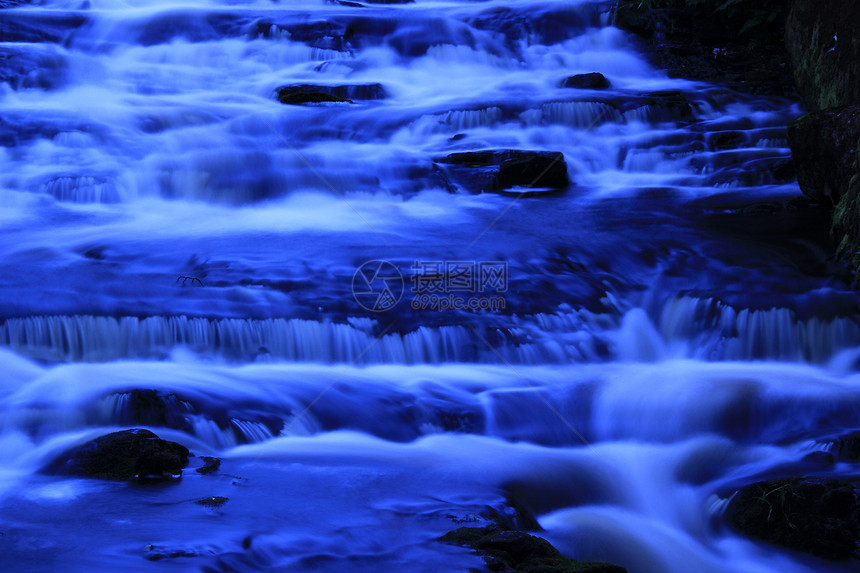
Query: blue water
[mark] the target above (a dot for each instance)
(670, 327)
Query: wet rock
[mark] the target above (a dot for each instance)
(514, 551)
(845, 448)
(495, 171)
(153, 408)
(213, 502)
(309, 93)
(825, 52)
(824, 145)
(340, 32)
(157, 552)
(209, 466)
(29, 68)
(820, 517)
(547, 24)
(592, 81)
(40, 26)
(127, 455)
(721, 140)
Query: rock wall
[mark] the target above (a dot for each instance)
(693, 39)
(824, 45)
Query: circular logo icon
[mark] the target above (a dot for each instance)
(377, 285)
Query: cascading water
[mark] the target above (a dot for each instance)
(179, 252)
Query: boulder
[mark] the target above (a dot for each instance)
(495, 171)
(592, 81)
(820, 517)
(824, 145)
(126, 455)
(308, 93)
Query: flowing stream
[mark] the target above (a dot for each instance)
(178, 251)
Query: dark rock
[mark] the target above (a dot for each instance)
(30, 68)
(308, 93)
(127, 455)
(825, 52)
(513, 551)
(157, 553)
(592, 81)
(213, 502)
(40, 26)
(845, 448)
(339, 32)
(154, 408)
(825, 57)
(816, 516)
(697, 42)
(547, 23)
(824, 145)
(210, 465)
(727, 140)
(500, 170)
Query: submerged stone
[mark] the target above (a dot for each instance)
(517, 551)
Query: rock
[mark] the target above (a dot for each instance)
(845, 448)
(308, 93)
(51, 26)
(825, 52)
(31, 68)
(210, 465)
(721, 140)
(499, 170)
(820, 517)
(213, 502)
(127, 455)
(592, 81)
(153, 408)
(824, 145)
(513, 551)
(734, 43)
